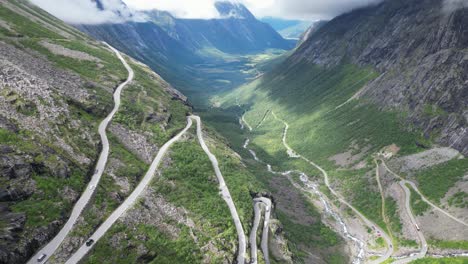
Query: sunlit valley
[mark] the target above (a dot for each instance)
(233, 132)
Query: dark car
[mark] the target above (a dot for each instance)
(89, 242)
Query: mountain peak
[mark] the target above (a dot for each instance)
(228, 9)
(99, 4)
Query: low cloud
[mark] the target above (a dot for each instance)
(292, 9)
(119, 11)
(452, 5)
(87, 11)
(203, 9)
(312, 10)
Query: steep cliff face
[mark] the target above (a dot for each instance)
(420, 50)
(311, 30)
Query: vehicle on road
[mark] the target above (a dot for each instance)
(91, 187)
(41, 257)
(89, 242)
(96, 171)
(417, 227)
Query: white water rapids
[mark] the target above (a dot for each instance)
(312, 188)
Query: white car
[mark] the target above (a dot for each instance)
(92, 187)
(41, 257)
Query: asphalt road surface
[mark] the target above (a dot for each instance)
(253, 233)
(422, 239)
(130, 201)
(224, 191)
(53, 245)
(415, 188)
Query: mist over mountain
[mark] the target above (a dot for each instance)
(180, 131)
(174, 47)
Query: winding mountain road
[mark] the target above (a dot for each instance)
(415, 188)
(369, 223)
(312, 188)
(253, 235)
(53, 245)
(422, 239)
(130, 201)
(225, 194)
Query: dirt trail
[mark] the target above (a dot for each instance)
(263, 119)
(415, 188)
(382, 195)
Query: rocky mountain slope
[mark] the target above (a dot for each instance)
(309, 31)
(385, 84)
(56, 85)
(419, 50)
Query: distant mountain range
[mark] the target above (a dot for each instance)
(176, 47)
(290, 29)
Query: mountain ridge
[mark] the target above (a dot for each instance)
(387, 48)
(384, 84)
(191, 53)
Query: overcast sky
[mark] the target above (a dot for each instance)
(86, 12)
(299, 9)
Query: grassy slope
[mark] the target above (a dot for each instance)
(301, 237)
(144, 96)
(47, 204)
(306, 97)
(417, 204)
(435, 182)
(460, 260)
(189, 182)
